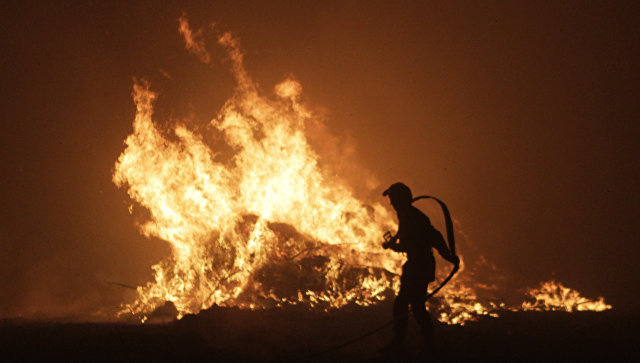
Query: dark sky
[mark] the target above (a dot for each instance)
(524, 118)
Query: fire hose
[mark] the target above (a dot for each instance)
(450, 239)
(452, 249)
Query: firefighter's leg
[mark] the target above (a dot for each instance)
(423, 318)
(401, 317)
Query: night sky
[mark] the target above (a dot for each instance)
(523, 118)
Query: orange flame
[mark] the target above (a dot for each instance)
(553, 295)
(224, 220)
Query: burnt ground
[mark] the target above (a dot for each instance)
(234, 335)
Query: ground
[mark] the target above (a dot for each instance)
(291, 334)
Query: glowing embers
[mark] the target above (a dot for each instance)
(553, 295)
(459, 304)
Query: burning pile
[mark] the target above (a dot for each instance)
(554, 296)
(267, 227)
(243, 231)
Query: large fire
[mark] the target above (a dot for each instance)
(268, 226)
(234, 226)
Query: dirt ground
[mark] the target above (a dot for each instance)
(233, 335)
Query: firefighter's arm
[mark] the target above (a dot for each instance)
(441, 247)
(389, 240)
(392, 243)
(398, 246)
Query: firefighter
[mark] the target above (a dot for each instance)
(416, 237)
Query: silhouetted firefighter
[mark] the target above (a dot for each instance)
(416, 237)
